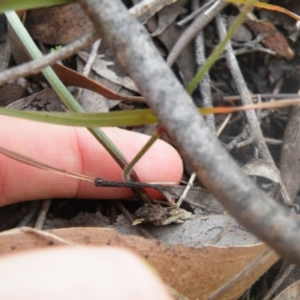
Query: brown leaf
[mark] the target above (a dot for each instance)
(194, 272)
(11, 92)
(101, 67)
(73, 78)
(58, 25)
(273, 40)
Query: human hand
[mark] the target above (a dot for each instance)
(76, 273)
(77, 150)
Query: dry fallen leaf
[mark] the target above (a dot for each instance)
(100, 66)
(168, 15)
(262, 168)
(273, 40)
(45, 100)
(194, 272)
(58, 25)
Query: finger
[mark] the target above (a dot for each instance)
(78, 273)
(77, 150)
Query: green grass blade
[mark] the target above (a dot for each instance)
(214, 56)
(128, 118)
(29, 4)
(118, 118)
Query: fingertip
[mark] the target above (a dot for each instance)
(78, 273)
(77, 150)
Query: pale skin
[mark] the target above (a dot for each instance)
(92, 273)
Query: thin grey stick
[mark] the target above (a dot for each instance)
(34, 206)
(199, 23)
(204, 85)
(88, 66)
(133, 47)
(254, 126)
(245, 142)
(45, 206)
(258, 48)
(196, 13)
(271, 141)
(263, 96)
(238, 139)
(278, 282)
(244, 93)
(91, 59)
(35, 66)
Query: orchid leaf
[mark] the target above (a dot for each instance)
(127, 118)
(26, 4)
